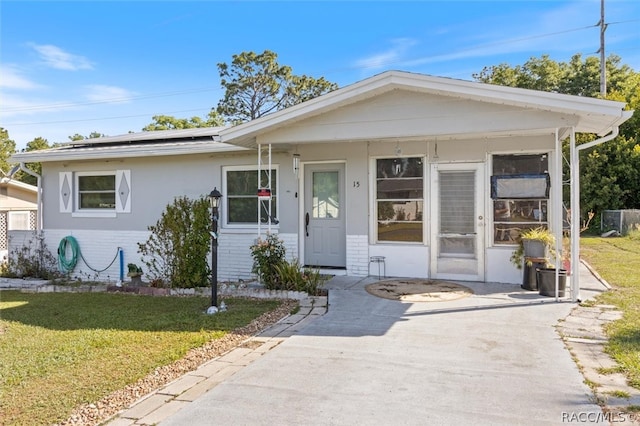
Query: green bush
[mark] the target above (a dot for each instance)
(176, 253)
(267, 254)
(276, 273)
(292, 276)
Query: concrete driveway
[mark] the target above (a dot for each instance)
(493, 358)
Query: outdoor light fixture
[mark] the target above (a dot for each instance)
(296, 164)
(214, 199)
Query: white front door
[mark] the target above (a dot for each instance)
(325, 241)
(457, 225)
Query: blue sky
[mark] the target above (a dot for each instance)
(83, 66)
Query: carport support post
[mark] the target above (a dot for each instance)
(575, 204)
(575, 217)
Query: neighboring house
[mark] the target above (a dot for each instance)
(401, 165)
(18, 210)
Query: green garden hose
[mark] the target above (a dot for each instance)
(67, 265)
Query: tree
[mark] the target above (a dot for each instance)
(79, 137)
(610, 172)
(7, 149)
(579, 76)
(536, 74)
(167, 122)
(34, 145)
(255, 85)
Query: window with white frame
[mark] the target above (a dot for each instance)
(96, 191)
(241, 192)
(520, 194)
(95, 194)
(400, 199)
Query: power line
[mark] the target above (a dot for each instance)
(209, 89)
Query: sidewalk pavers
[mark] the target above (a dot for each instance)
(178, 394)
(584, 336)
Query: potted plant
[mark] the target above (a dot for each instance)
(535, 247)
(135, 273)
(534, 243)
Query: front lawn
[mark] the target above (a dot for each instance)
(61, 350)
(617, 260)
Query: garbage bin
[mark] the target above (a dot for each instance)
(531, 265)
(546, 278)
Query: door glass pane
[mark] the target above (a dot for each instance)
(457, 214)
(457, 202)
(326, 198)
(458, 246)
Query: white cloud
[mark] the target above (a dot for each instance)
(108, 94)
(57, 58)
(520, 35)
(392, 55)
(12, 79)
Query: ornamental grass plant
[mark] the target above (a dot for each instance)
(276, 273)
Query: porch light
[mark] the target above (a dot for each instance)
(214, 198)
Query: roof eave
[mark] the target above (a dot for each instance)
(611, 111)
(18, 184)
(128, 151)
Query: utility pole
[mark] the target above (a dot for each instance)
(603, 68)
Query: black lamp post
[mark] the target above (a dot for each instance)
(214, 199)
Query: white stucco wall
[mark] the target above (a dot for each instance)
(399, 123)
(100, 247)
(499, 268)
(408, 260)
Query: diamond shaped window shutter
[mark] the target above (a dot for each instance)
(123, 191)
(66, 198)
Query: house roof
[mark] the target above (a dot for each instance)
(187, 135)
(179, 142)
(5, 181)
(594, 115)
(591, 116)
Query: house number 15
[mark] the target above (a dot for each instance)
(356, 184)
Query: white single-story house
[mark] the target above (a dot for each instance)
(18, 210)
(435, 174)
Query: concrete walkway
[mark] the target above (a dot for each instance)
(494, 358)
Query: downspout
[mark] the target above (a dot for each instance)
(575, 205)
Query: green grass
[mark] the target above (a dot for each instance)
(60, 350)
(617, 260)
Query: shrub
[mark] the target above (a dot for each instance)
(276, 273)
(267, 254)
(292, 276)
(176, 253)
(31, 260)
